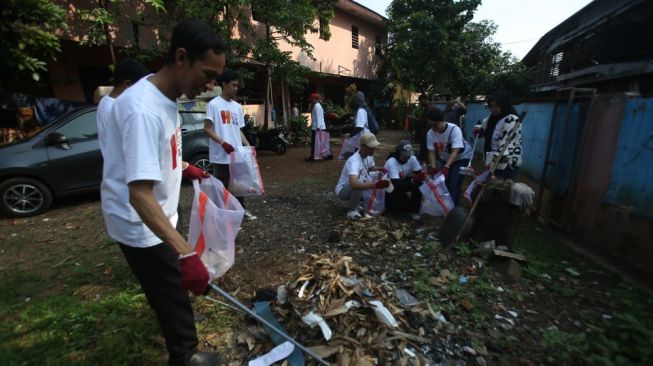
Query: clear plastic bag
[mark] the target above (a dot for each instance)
(436, 200)
(215, 218)
(244, 174)
(322, 147)
(374, 199)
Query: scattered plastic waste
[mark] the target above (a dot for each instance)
(312, 320)
(384, 315)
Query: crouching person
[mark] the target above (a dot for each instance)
(406, 175)
(354, 178)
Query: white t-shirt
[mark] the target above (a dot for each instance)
(143, 141)
(397, 170)
(453, 135)
(317, 118)
(357, 166)
(227, 119)
(361, 120)
(103, 115)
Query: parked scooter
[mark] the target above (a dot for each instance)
(272, 139)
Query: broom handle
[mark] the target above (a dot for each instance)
(493, 167)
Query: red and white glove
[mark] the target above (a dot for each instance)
(194, 276)
(476, 131)
(445, 171)
(383, 171)
(382, 184)
(192, 172)
(227, 147)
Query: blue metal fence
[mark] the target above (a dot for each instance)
(631, 183)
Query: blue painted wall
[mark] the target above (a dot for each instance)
(631, 184)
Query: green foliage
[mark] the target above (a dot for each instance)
(436, 48)
(27, 39)
(299, 131)
(108, 14)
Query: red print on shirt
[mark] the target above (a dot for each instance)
(226, 117)
(175, 147)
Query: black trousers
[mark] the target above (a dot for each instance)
(406, 198)
(313, 133)
(157, 270)
(221, 171)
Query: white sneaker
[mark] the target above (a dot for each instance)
(249, 216)
(353, 214)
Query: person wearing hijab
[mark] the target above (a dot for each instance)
(361, 123)
(496, 129)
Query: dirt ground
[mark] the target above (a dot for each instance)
(62, 278)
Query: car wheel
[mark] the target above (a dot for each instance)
(23, 197)
(202, 161)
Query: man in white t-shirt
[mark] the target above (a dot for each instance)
(142, 182)
(223, 124)
(317, 123)
(354, 174)
(446, 144)
(406, 176)
(128, 71)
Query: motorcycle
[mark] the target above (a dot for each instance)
(272, 139)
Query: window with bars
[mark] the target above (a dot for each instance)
(556, 59)
(354, 37)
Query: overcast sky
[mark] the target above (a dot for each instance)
(521, 22)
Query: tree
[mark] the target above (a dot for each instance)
(423, 38)
(101, 20)
(275, 21)
(435, 47)
(27, 39)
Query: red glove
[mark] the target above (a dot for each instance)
(431, 171)
(383, 171)
(445, 171)
(227, 147)
(194, 276)
(192, 172)
(476, 131)
(382, 184)
(419, 178)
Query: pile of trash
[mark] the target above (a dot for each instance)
(344, 316)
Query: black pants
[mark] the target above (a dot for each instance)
(157, 270)
(406, 198)
(221, 171)
(313, 134)
(508, 173)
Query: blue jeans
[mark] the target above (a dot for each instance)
(455, 179)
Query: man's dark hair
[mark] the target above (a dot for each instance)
(228, 75)
(435, 115)
(129, 69)
(197, 38)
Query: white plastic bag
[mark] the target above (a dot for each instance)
(244, 174)
(322, 147)
(374, 198)
(349, 146)
(436, 200)
(215, 218)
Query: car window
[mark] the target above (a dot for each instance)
(191, 118)
(81, 128)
